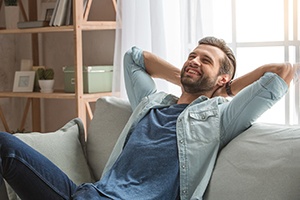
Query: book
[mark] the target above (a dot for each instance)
(32, 24)
(54, 13)
(69, 13)
(84, 6)
(61, 13)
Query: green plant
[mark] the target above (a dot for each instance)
(11, 2)
(45, 74)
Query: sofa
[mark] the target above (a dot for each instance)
(261, 163)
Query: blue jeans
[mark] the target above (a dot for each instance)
(31, 174)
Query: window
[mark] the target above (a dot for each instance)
(259, 32)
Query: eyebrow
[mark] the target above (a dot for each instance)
(192, 53)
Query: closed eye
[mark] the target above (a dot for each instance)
(192, 56)
(207, 60)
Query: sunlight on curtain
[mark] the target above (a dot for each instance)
(141, 24)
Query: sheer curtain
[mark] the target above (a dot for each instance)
(161, 27)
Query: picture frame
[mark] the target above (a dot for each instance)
(45, 9)
(49, 13)
(24, 81)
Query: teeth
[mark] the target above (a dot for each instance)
(192, 71)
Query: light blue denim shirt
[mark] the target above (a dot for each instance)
(204, 127)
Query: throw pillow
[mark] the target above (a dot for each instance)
(64, 147)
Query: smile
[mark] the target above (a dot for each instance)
(193, 71)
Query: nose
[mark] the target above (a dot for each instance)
(195, 62)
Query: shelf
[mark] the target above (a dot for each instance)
(81, 24)
(55, 95)
(98, 25)
(90, 25)
(92, 97)
(38, 30)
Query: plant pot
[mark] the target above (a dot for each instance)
(46, 86)
(11, 17)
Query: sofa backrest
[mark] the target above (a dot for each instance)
(261, 163)
(110, 117)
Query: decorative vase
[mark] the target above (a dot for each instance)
(46, 86)
(11, 17)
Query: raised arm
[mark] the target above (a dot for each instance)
(284, 70)
(159, 68)
(253, 97)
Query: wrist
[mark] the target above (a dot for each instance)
(228, 89)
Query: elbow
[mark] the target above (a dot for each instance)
(285, 71)
(127, 57)
(133, 56)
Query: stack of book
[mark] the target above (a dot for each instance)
(62, 13)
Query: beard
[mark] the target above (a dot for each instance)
(201, 85)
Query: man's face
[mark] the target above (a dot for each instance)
(200, 72)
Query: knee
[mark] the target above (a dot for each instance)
(4, 137)
(8, 141)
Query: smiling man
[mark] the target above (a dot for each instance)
(183, 136)
(202, 70)
(170, 144)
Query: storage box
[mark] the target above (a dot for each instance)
(95, 79)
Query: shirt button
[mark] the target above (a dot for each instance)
(184, 191)
(181, 141)
(203, 117)
(183, 166)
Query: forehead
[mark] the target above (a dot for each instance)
(211, 51)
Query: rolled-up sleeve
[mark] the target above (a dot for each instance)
(249, 104)
(138, 82)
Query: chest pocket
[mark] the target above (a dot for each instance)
(204, 126)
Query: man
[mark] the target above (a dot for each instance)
(200, 122)
(169, 146)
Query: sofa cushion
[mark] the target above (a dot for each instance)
(261, 163)
(110, 117)
(65, 148)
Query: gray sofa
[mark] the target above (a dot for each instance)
(261, 163)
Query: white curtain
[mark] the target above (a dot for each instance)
(168, 28)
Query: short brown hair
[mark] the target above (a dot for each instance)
(228, 65)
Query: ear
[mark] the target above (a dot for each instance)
(223, 79)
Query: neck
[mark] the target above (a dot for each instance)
(187, 98)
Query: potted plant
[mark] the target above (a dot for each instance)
(11, 13)
(46, 79)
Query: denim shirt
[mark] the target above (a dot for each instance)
(204, 127)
